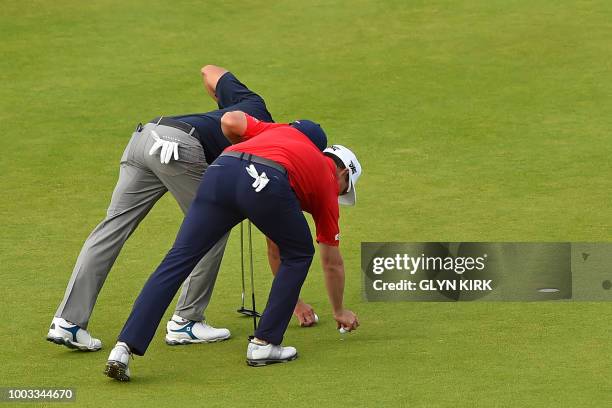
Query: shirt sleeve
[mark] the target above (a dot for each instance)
(254, 127)
(326, 215)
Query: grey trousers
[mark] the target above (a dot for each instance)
(142, 181)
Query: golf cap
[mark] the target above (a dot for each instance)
(350, 162)
(313, 130)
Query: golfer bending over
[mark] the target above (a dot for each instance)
(269, 178)
(167, 154)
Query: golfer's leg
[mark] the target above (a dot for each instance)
(289, 230)
(136, 192)
(205, 223)
(198, 287)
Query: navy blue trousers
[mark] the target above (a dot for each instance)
(226, 197)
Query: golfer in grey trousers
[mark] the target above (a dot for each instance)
(166, 154)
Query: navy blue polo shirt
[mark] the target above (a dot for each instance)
(208, 128)
(232, 95)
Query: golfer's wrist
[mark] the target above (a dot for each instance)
(338, 310)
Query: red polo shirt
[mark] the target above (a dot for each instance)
(311, 174)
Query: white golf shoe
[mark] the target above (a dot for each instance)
(260, 355)
(117, 366)
(72, 336)
(181, 331)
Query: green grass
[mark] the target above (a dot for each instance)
(474, 120)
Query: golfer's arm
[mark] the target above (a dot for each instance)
(333, 268)
(273, 256)
(233, 126)
(210, 76)
(275, 261)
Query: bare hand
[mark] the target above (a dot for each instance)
(304, 313)
(346, 319)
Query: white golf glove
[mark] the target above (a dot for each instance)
(261, 180)
(168, 148)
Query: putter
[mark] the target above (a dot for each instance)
(243, 310)
(255, 314)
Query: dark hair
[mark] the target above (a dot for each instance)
(336, 159)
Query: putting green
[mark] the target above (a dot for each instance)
(473, 120)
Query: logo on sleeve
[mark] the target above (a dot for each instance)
(337, 237)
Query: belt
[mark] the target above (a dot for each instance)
(177, 124)
(255, 159)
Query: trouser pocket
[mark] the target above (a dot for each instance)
(128, 148)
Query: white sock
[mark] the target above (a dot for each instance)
(179, 319)
(259, 341)
(122, 344)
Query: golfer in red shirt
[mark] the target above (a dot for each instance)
(270, 178)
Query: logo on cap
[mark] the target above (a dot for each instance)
(352, 167)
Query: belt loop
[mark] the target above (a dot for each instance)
(191, 131)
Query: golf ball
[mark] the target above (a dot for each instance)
(316, 318)
(342, 330)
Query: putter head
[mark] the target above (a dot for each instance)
(248, 312)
